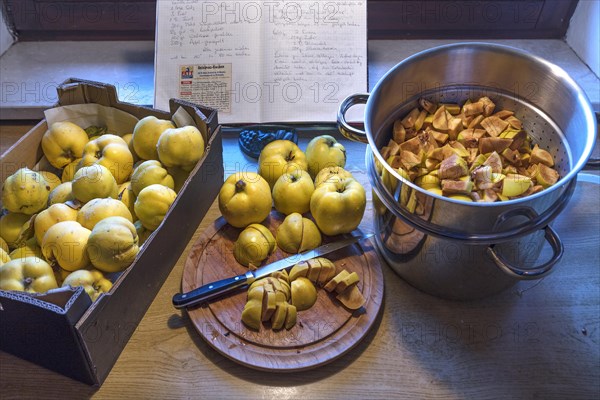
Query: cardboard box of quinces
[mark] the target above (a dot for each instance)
(64, 330)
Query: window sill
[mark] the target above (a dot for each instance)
(31, 71)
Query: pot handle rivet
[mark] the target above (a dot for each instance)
(531, 273)
(344, 127)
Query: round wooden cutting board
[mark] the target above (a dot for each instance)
(322, 333)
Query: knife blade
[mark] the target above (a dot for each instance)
(219, 288)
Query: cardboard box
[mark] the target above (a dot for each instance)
(64, 331)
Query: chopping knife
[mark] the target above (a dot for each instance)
(216, 289)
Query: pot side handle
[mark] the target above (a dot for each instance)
(531, 273)
(344, 127)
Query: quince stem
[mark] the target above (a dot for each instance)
(240, 186)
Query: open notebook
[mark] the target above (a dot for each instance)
(261, 61)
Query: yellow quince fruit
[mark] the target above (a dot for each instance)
(30, 248)
(52, 215)
(30, 274)
(93, 281)
(181, 147)
(94, 182)
(25, 192)
(63, 143)
(65, 244)
(113, 244)
(69, 170)
(330, 174)
(97, 210)
(292, 192)
(254, 245)
(148, 173)
(244, 199)
(112, 152)
(324, 151)
(127, 197)
(338, 206)
(3, 244)
(146, 134)
(10, 227)
(51, 179)
(297, 234)
(152, 204)
(280, 157)
(4, 257)
(61, 194)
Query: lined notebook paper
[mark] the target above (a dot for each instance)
(261, 61)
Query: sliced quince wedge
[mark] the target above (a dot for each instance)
(280, 286)
(494, 125)
(327, 271)
(332, 284)
(281, 275)
(304, 294)
(454, 126)
(420, 119)
(429, 106)
(488, 106)
(515, 185)
(494, 161)
(450, 186)
(291, 316)
(399, 132)
(472, 108)
(514, 122)
(280, 297)
(546, 176)
(490, 144)
(349, 280)
(475, 122)
(440, 119)
(269, 304)
(453, 167)
(541, 156)
(503, 114)
(318, 270)
(256, 293)
(439, 137)
(251, 314)
(411, 118)
(314, 270)
(298, 270)
(351, 298)
(278, 318)
(271, 284)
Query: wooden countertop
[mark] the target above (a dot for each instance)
(538, 339)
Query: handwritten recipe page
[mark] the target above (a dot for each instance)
(261, 61)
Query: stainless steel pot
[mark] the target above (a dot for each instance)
(455, 249)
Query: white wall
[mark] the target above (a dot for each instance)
(583, 34)
(6, 39)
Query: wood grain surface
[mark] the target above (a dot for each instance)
(536, 340)
(323, 333)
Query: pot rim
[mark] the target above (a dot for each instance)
(560, 74)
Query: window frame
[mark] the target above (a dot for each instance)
(49, 20)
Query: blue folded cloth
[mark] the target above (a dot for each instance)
(253, 139)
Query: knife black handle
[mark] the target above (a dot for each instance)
(210, 291)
